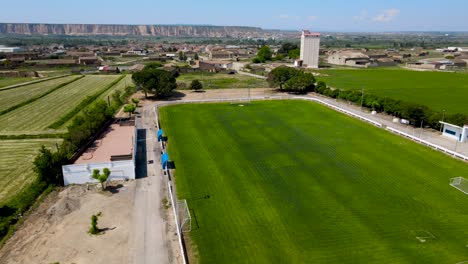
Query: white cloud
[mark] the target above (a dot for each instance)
(284, 16)
(387, 15)
(362, 16)
(312, 17)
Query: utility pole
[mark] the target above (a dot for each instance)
(362, 96)
(443, 118)
(420, 133)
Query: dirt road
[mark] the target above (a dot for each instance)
(148, 235)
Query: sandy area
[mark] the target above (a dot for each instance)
(56, 231)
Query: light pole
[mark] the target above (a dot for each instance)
(420, 133)
(362, 96)
(443, 118)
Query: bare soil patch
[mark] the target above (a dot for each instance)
(56, 231)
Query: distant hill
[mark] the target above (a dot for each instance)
(137, 30)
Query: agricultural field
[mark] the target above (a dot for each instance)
(222, 80)
(16, 168)
(15, 96)
(15, 80)
(437, 90)
(296, 182)
(38, 115)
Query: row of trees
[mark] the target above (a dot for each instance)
(291, 79)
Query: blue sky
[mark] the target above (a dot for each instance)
(324, 15)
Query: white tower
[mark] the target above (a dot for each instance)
(310, 45)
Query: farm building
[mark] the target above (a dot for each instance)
(349, 58)
(115, 149)
(214, 66)
(455, 132)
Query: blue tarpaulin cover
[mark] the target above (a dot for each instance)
(164, 159)
(160, 134)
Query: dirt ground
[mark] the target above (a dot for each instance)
(56, 231)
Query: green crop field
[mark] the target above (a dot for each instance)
(16, 163)
(222, 80)
(37, 116)
(295, 182)
(438, 90)
(15, 96)
(14, 80)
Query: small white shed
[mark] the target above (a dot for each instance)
(455, 132)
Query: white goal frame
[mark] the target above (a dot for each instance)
(460, 184)
(183, 213)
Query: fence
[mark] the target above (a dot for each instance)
(171, 187)
(172, 193)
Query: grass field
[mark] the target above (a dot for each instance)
(222, 80)
(438, 90)
(15, 96)
(37, 116)
(14, 80)
(16, 164)
(295, 182)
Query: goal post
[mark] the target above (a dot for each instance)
(183, 213)
(460, 183)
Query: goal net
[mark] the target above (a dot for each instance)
(183, 214)
(460, 183)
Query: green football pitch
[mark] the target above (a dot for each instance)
(437, 90)
(295, 182)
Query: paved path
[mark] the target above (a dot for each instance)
(252, 75)
(148, 237)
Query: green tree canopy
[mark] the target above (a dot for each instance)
(301, 83)
(196, 85)
(264, 54)
(160, 83)
(280, 75)
(294, 54)
(101, 177)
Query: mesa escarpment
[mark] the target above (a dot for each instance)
(132, 30)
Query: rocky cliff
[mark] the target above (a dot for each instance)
(133, 30)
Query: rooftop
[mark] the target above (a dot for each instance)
(116, 140)
(307, 33)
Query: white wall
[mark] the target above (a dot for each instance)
(458, 131)
(81, 173)
(310, 47)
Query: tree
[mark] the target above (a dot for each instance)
(195, 56)
(294, 54)
(135, 101)
(196, 85)
(130, 109)
(287, 47)
(101, 177)
(280, 75)
(161, 83)
(301, 83)
(48, 166)
(94, 230)
(264, 54)
(182, 56)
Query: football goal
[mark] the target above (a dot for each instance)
(183, 213)
(460, 183)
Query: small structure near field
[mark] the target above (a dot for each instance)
(455, 132)
(115, 149)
